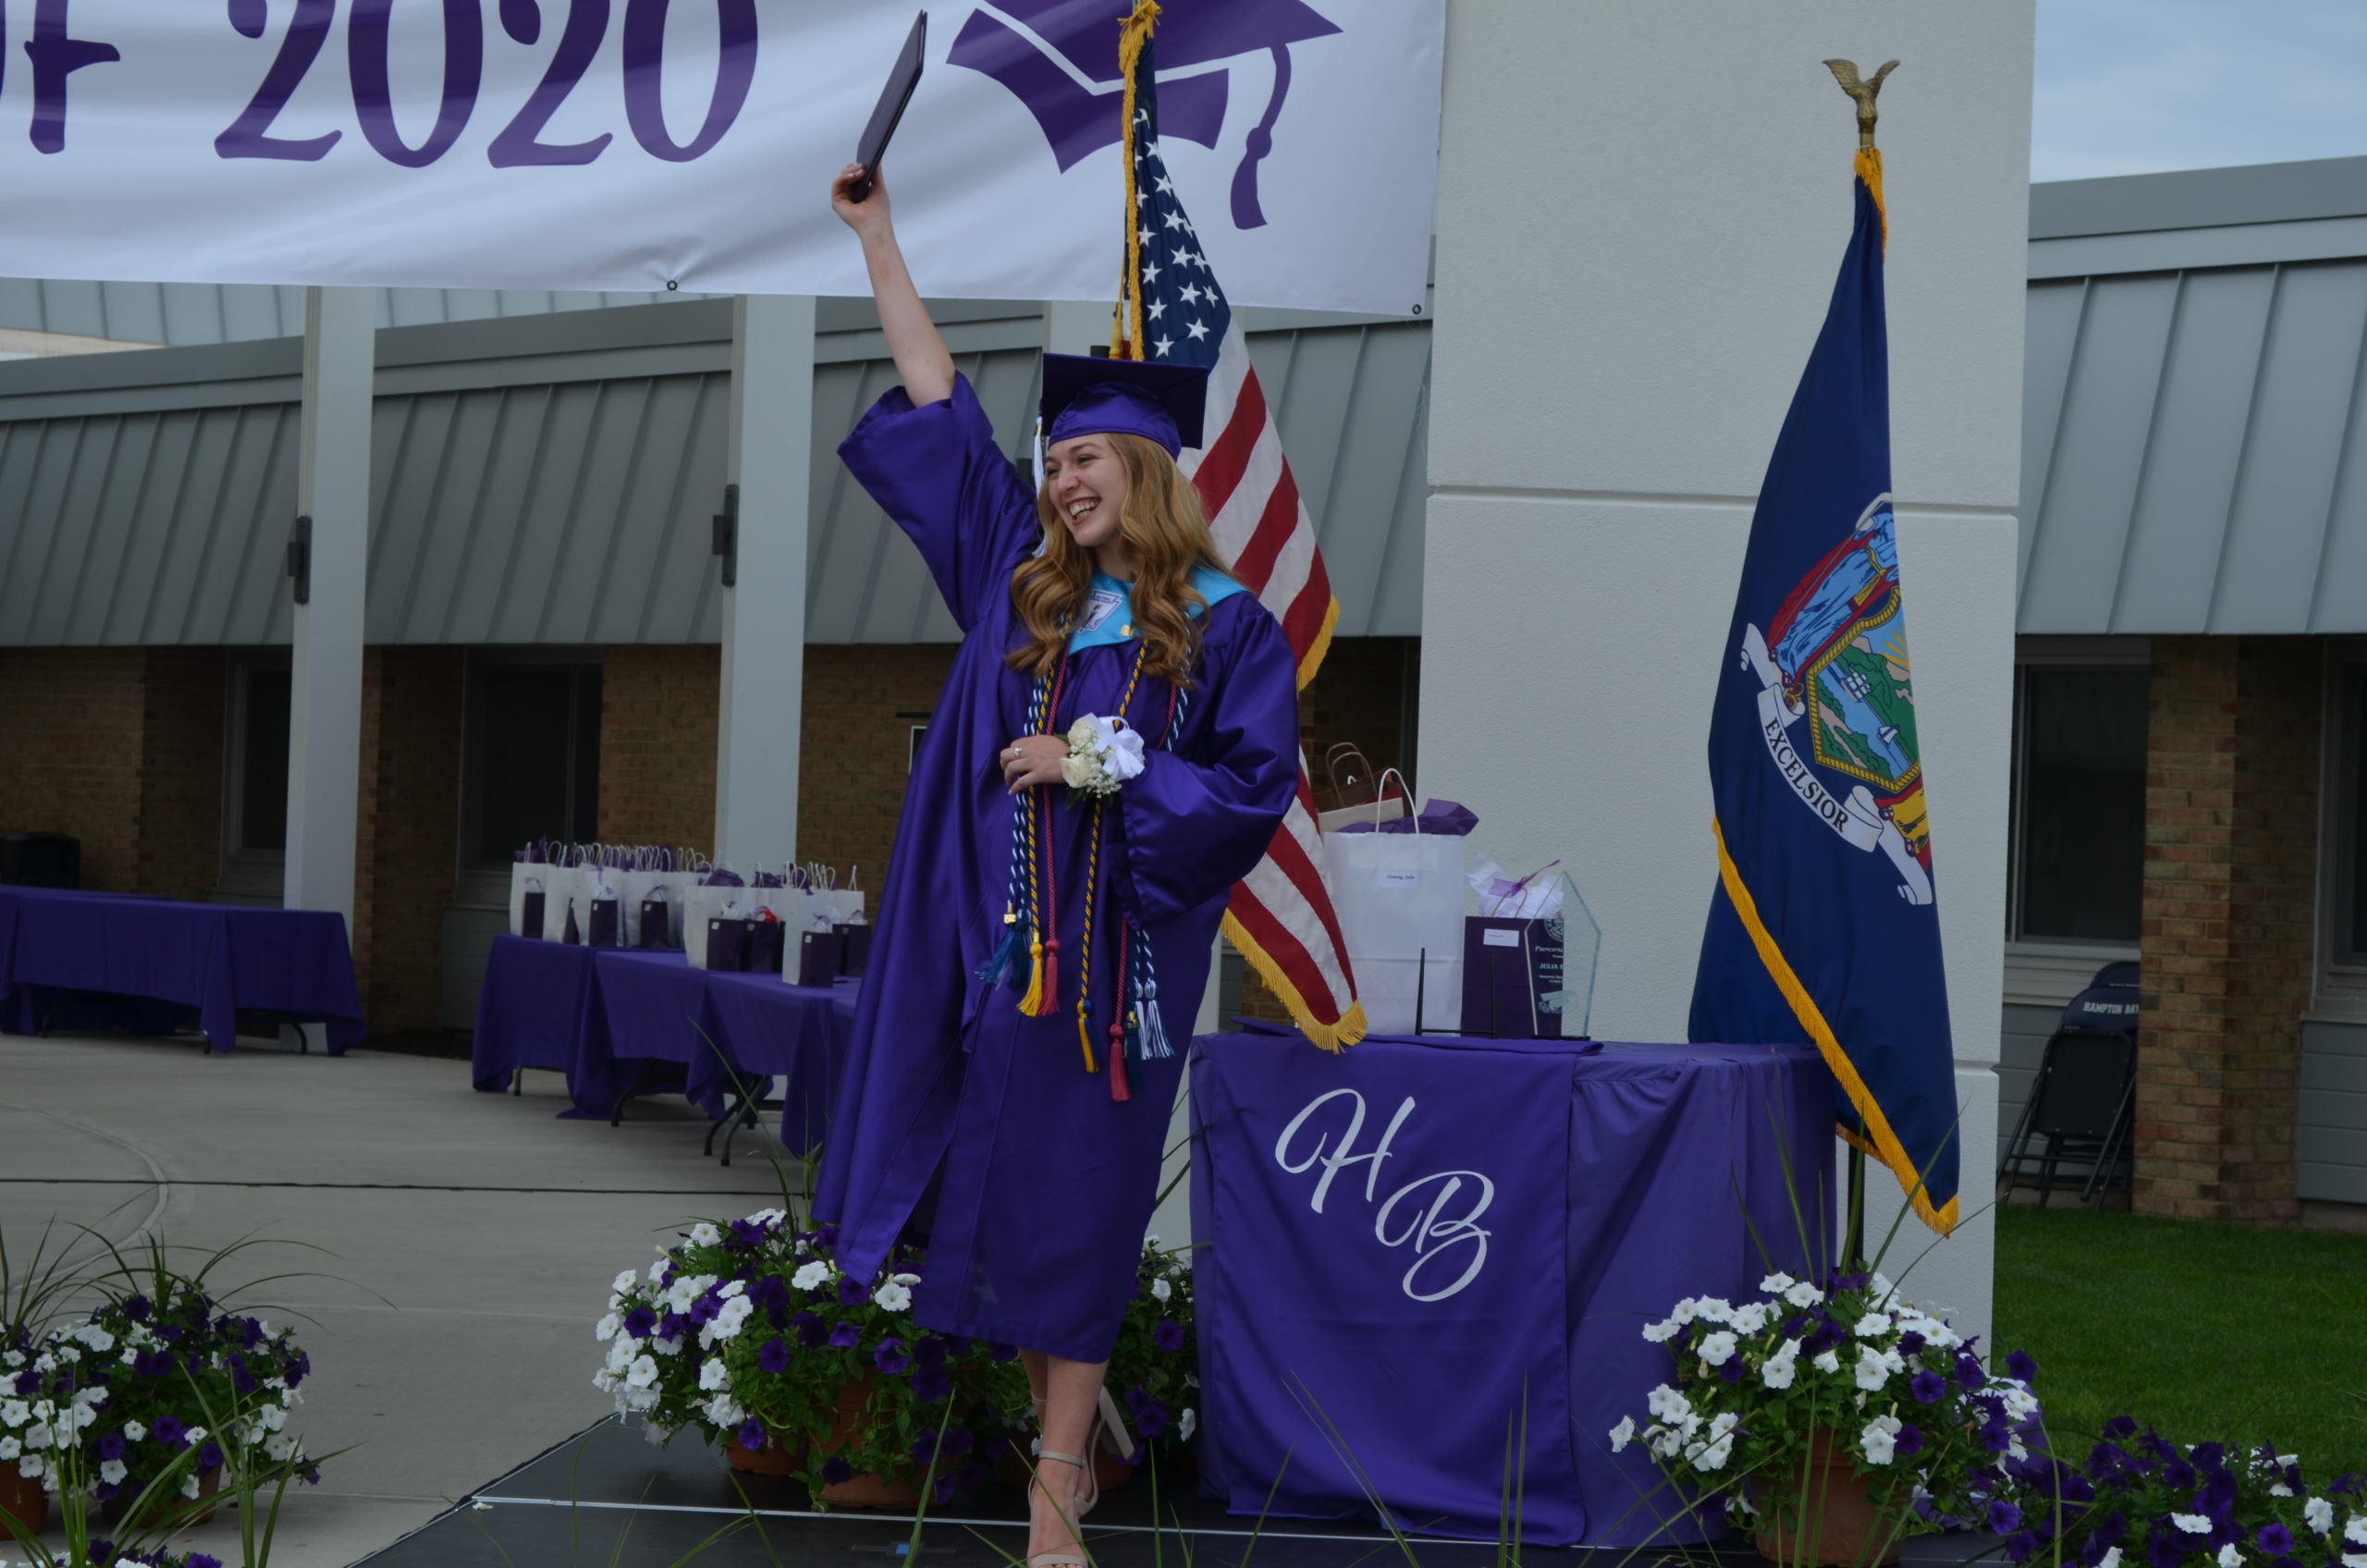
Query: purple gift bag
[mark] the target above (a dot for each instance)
(603, 931)
(571, 935)
(856, 941)
(819, 958)
(765, 946)
(727, 944)
(657, 921)
(529, 920)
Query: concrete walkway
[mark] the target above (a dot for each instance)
(490, 1229)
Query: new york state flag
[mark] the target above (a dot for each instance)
(1824, 928)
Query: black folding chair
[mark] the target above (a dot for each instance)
(2081, 1105)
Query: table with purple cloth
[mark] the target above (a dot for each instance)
(73, 958)
(622, 1022)
(1415, 1248)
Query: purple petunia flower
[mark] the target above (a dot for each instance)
(2275, 1540)
(752, 1435)
(945, 1488)
(209, 1458)
(1001, 1354)
(1910, 1439)
(111, 1446)
(772, 1356)
(1169, 1335)
(835, 1472)
(890, 1357)
(201, 1559)
(1911, 1343)
(29, 1382)
(1150, 1419)
(1927, 1387)
(2003, 1518)
(168, 1430)
(2020, 1365)
(846, 1336)
(932, 1384)
(673, 1326)
(930, 1351)
(852, 1291)
(300, 1368)
(2021, 1546)
(770, 1295)
(957, 1439)
(244, 1380)
(641, 1322)
(808, 1330)
(137, 1308)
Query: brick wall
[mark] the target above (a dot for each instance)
(659, 709)
(854, 746)
(407, 848)
(2229, 939)
(121, 747)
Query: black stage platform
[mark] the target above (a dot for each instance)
(607, 1498)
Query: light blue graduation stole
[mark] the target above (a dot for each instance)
(1109, 619)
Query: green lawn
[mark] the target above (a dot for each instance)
(2211, 1332)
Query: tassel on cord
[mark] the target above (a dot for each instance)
(1002, 969)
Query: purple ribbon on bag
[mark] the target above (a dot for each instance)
(1449, 818)
(719, 877)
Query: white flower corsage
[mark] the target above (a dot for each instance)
(1103, 754)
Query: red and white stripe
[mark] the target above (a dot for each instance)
(1281, 914)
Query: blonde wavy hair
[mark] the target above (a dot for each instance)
(1165, 532)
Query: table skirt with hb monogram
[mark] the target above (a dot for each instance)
(1418, 1248)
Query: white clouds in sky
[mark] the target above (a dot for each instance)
(2135, 86)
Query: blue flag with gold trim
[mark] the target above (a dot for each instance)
(1823, 929)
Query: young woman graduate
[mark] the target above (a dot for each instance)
(1041, 949)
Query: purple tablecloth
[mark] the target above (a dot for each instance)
(532, 1010)
(622, 1021)
(216, 959)
(1418, 1238)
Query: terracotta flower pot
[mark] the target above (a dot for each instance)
(209, 1484)
(1850, 1532)
(770, 1459)
(24, 1501)
(865, 1490)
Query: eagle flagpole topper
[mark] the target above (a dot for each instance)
(1824, 927)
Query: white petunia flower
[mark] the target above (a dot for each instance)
(2192, 1524)
(1682, 1312)
(196, 1436)
(1718, 1349)
(15, 1412)
(1803, 1294)
(641, 1373)
(704, 1235)
(658, 1269)
(31, 1467)
(1826, 1361)
(1875, 1366)
(810, 1276)
(280, 1446)
(1667, 1404)
(623, 1283)
(2318, 1513)
(1713, 1310)
(1872, 1325)
(1186, 1424)
(1749, 1318)
(892, 1297)
(1779, 1368)
(1160, 1290)
(1623, 1434)
(2356, 1531)
(732, 1290)
(133, 1432)
(905, 1278)
(606, 1328)
(2230, 1557)
(714, 1375)
(113, 1471)
(2111, 1558)
(1663, 1332)
(1713, 1456)
(1776, 1284)
(2280, 1489)
(1879, 1439)
(189, 1486)
(10, 1448)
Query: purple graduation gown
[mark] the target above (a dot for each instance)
(1045, 1183)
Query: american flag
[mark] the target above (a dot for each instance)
(1281, 916)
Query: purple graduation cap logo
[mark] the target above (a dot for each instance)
(1061, 59)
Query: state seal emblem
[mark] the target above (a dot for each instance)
(1834, 656)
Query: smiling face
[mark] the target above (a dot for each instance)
(1087, 483)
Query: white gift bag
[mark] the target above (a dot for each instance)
(527, 877)
(702, 904)
(1399, 897)
(565, 886)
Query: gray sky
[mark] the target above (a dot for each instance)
(2134, 86)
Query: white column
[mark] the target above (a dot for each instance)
(764, 651)
(325, 698)
(1625, 308)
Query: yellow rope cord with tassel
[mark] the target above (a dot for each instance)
(1127, 326)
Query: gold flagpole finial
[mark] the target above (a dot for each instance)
(1845, 73)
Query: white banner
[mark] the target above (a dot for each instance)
(649, 144)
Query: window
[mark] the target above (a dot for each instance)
(2347, 821)
(259, 760)
(2078, 851)
(534, 756)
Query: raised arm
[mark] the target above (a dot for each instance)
(920, 355)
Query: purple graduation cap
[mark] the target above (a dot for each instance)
(1078, 120)
(1085, 396)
